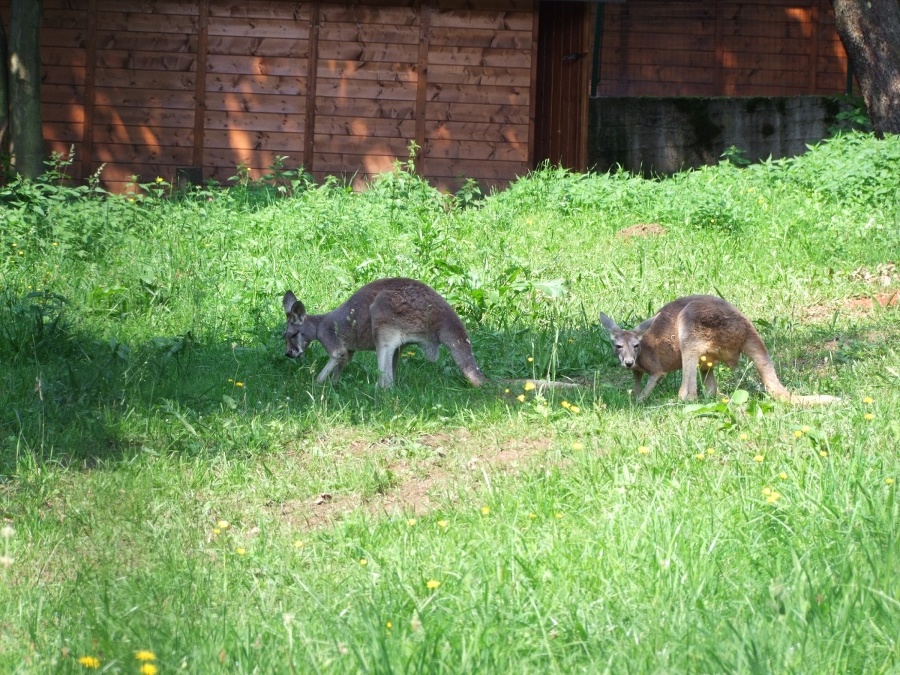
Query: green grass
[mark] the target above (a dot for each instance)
(144, 398)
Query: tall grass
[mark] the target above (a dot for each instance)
(171, 483)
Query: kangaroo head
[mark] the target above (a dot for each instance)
(298, 332)
(627, 343)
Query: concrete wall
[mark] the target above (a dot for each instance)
(665, 135)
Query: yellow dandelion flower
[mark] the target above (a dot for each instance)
(805, 429)
(223, 524)
(823, 453)
(148, 669)
(529, 386)
(91, 662)
(767, 491)
(533, 516)
(485, 510)
(389, 625)
(743, 437)
(700, 455)
(566, 404)
(530, 359)
(577, 446)
(363, 561)
(411, 522)
(299, 544)
(643, 450)
(773, 497)
(868, 399)
(216, 531)
(758, 458)
(869, 417)
(159, 179)
(241, 550)
(889, 481)
(782, 475)
(710, 451)
(432, 584)
(238, 384)
(798, 433)
(558, 515)
(724, 399)
(521, 398)
(506, 391)
(443, 523)
(703, 358)
(575, 409)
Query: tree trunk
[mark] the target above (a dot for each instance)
(25, 86)
(870, 31)
(4, 102)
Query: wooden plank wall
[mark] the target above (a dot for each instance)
(721, 48)
(145, 87)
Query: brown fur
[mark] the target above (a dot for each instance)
(382, 316)
(697, 331)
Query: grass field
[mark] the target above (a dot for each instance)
(171, 484)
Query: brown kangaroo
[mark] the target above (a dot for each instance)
(697, 331)
(382, 316)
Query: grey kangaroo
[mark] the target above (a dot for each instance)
(697, 331)
(382, 316)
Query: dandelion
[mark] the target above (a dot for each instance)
(767, 491)
(506, 391)
(443, 524)
(145, 655)
(577, 446)
(529, 386)
(869, 417)
(223, 524)
(823, 453)
(575, 409)
(530, 359)
(743, 437)
(798, 433)
(216, 531)
(724, 399)
(149, 669)
(700, 455)
(758, 458)
(485, 510)
(643, 450)
(299, 543)
(532, 516)
(159, 179)
(389, 625)
(238, 384)
(703, 358)
(241, 550)
(91, 662)
(558, 515)
(868, 400)
(363, 562)
(806, 429)
(889, 481)
(521, 398)
(772, 497)
(432, 584)
(411, 522)
(710, 451)
(782, 475)
(566, 404)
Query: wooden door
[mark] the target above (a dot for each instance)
(562, 83)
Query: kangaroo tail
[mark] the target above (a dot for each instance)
(756, 350)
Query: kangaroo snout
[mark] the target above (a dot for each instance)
(628, 362)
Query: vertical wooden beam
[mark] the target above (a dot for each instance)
(422, 81)
(309, 124)
(813, 48)
(533, 84)
(584, 86)
(87, 131)
(719, 52)
(200, 84)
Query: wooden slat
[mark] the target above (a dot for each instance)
(239, 120)
(200, 84)
(255, 84)
(238, 139)
(315, 25)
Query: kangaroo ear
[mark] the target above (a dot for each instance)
(608, 323)
(293, 307)
(644, 325)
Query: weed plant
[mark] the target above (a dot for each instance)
(178, 496)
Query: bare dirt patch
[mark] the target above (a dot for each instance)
(421, 486)
(642, 230)
(859, 305)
